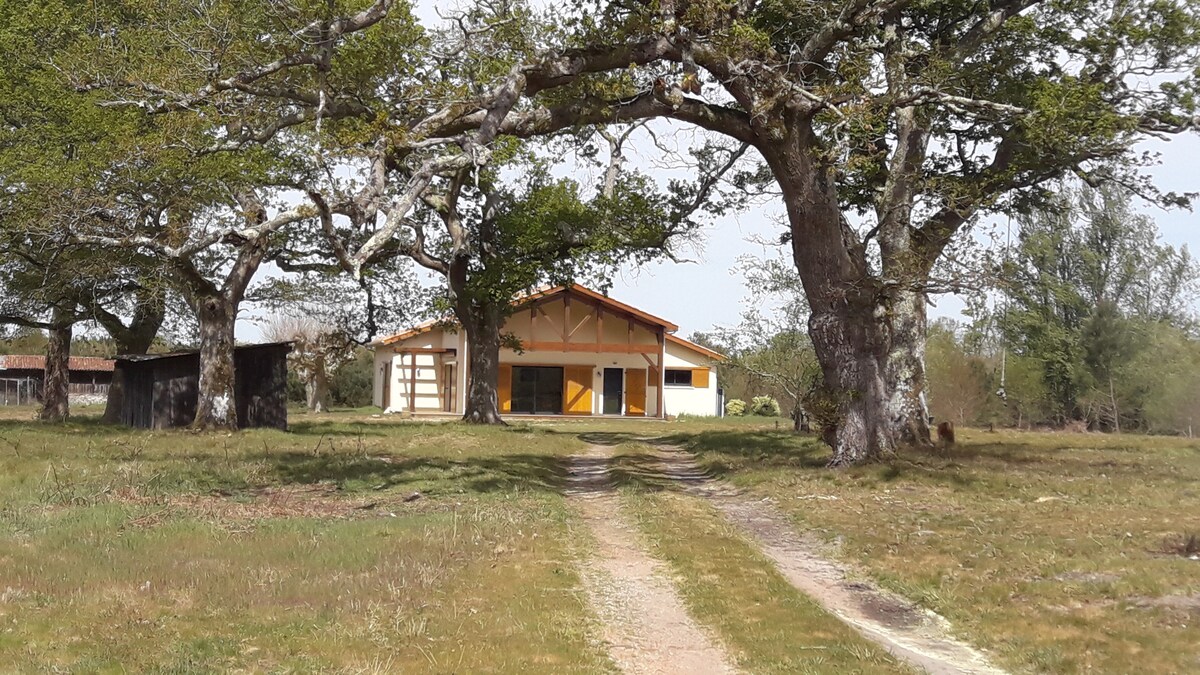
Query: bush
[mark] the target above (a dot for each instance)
(735, 407)
(764, 406)
(353, 386)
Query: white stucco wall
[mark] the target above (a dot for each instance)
(430, 380)
(684, 400)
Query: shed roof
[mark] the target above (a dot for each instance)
(90, 364)
(140, 358)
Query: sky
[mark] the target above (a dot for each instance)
(708, 291)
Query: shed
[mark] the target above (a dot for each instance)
(161, 390)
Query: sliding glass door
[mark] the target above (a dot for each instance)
(537, 390)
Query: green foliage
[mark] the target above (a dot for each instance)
(735, 407)
(764, 406)
(1088, 282)
(352, 386)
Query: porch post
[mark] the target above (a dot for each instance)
(412, 383)
(662, 376)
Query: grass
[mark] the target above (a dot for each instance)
(265, 551)
(355, 543)
(1056, 552)
(730, 586)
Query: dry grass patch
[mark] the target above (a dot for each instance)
(264, 551)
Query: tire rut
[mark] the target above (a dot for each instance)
(644, 623)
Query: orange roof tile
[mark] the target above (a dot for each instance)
(36, 362)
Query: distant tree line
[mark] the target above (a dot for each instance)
(1092, 322)
(1086, 320)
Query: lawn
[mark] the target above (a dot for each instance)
(357, 543)
(303, 551)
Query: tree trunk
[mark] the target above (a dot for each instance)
(316, 388)
(868, 333)
(848, 343)
(136, 339)
(482, 328)
(56, 406)
(906, 369)
(216, 406)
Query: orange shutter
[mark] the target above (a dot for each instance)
(577, 390)
(700, 378)
(504, 388)
(635, 391)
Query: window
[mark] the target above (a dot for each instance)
(679, 378)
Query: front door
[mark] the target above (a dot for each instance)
(635, 391)
(614, 385)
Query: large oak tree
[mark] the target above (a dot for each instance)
(887, 127)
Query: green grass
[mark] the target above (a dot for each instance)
(730, 586)
(175, 552)
(1047, 549)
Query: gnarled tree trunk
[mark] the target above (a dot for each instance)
(216, 406)
(868, 333)
(906, 368)
(482, 326)
(316, 387)
(56, 406)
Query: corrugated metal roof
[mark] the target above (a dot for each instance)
(35, 362)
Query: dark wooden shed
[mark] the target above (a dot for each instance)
(161, 389)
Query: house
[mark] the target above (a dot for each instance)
(22, 378)
(161, 390)
(582, 353)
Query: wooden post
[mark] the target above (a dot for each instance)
(412, 383)
(662, 375)
(566, 327)
(599, 326)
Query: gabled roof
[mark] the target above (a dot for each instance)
(615, 305)
(539, 295)
(696, 348)
(84, 364)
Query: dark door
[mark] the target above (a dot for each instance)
(537, 390)
(613, 388)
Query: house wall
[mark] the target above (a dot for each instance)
(430, 385)
(682, 400)
(597, 362)
(544, 324)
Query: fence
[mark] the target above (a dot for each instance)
(20, 391)
(28, 390)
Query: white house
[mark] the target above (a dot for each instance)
(582, 354)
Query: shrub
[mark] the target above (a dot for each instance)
(353, 385)
(735, 407)
(764, 406)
